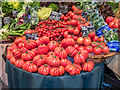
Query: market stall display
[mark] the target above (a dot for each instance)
(53, 43)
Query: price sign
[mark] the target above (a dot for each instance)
(26, 19)
(15, 13)
(6, 20)
(86, 29)
(33, 36)
(63, 9)
(55, 15)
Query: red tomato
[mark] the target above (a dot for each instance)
(30, 44)
(11, 47)
(65, 34)
(23, 49)
(65, 18)
(28, 31)
(73, 22)
(94, 44)
(79, 58)
(35, 50)
(91, 34)
(44, 69)
(42, 40)
(70, 29)
(57, 71)
(28, 55)
(76, 31)
(51, 53)
(101, 39)
(30, 67)
(81, 48)
(89, 49)
(20, 45)
(39, 60)
(71, 51)
(43, 49)
(75, 37)
(72, 14)
(62, 16)
(19, 63)
(84, 53)
(109, 19)
(65, 62)
(19, 40)
(76, 46)
(97, 51)
(69, 36)
(96, 38)
(53, 61)
(80, 40)
(12, 60)
(87, 41)
(70, 42)
(113, 24)
(52, 45)
(60, 52)
(73, 69)
(16, 53)
(88, 66)
(9, 54)
(105, 50)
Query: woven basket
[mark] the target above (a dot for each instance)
(100, 58)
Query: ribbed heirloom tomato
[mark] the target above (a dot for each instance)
(88, 66)
(65, 62)
(42, 40)
(23, 49)
(11, 47)
(52, 45)
(30, 44)
(60, 52)
(73, 69)
(79, 58)
(12, 60)
(53, 61)
(43, 49)
(44, 69)
(16, 53)
(28, 55)
(20, 45)
(71, 51)
(9, 55)
(19, 40)
(51, 53)
(19, 63)
(30, 67)
(57, 71)
(39, 60)
(35, 50)
(67, 42)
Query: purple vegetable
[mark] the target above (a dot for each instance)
(21, 19)
(19, 23)
(25, 14)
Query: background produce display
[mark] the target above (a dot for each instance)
(58, 39)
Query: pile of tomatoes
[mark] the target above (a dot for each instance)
(48, 57)
(93, 44)
(113, 22)
(69, 25)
